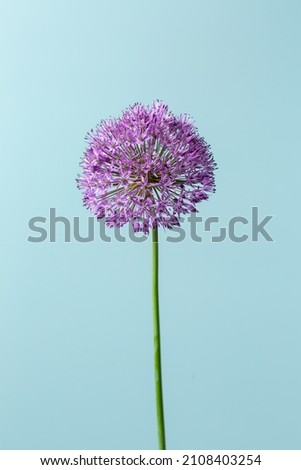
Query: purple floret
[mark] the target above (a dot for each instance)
(147, 167)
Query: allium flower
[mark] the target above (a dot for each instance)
(147, 167)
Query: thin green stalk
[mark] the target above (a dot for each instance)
(157, 347)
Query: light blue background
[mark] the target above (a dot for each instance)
(76, 331)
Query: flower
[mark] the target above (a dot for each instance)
(146, 167)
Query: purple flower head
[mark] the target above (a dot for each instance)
(147, 167)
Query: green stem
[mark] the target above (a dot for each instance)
(157, 348)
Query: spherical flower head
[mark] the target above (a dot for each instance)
(146, 167)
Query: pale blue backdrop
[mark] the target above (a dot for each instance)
(76, 333)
